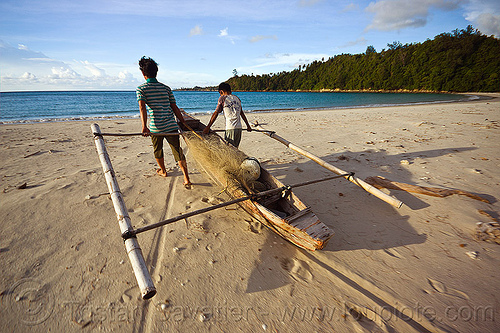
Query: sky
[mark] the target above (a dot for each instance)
(70, 45)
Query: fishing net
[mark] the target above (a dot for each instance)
(222, 162)
(217, 158)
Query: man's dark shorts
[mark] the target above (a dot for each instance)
(233, 136)
(174, 143)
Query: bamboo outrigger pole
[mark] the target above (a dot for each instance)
(364, 185)
(134, 252)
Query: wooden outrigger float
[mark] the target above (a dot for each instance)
(284, 213)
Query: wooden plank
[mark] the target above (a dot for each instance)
(299, 214)
(270, 200)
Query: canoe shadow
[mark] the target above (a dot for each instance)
(359, 219)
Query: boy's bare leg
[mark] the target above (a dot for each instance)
(162, 171)
(183, 167)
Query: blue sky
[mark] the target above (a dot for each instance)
(95, 44)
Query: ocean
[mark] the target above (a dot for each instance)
(29, 107)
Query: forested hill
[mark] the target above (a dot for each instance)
(461, 61)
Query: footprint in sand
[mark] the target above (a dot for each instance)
(393, 253)
(215, 241)
(442, 289)
(129, 294)
(201, 225)
(366, 320)
(298, 269)
(254, 226)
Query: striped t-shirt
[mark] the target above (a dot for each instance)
(158, 97)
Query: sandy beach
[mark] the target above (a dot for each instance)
(419, 268)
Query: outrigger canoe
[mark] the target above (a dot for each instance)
(285, 214)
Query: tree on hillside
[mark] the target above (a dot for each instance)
(370, 50)
(463, 60)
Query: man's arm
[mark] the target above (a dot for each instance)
(210, 123)
(144, 118)
(242, 114)
(178, 113)
(218, 109)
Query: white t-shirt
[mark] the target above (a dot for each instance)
(231, 106)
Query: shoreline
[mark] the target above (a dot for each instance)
(223, 270)
(468, 97)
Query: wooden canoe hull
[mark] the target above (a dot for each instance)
(287, 216)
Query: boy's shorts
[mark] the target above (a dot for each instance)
(174, 143)
(233, 136)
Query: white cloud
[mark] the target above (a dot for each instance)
(125, 76)
(29, 77)
(67, 79)
(396, 15)
(258, 38)
(359, 41)
(224, 33)
(23, 69)
(484, 15)
(63, 73)
(197, 30)
(276, 62)
(400, 14)
(350, 7)
(488, 24)
(41, 60)
(9, 53)
(93, 69)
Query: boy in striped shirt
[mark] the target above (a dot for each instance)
(157, 100)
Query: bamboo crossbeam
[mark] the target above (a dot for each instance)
(165, 134)
(131, 233)
(134, 252)
(364, 185)
(136, 134)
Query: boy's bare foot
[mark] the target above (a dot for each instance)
(161, 173)
(188, 185)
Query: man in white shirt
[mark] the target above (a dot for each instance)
(231, 106)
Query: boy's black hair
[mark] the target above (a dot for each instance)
(148, 66)
(224, 86)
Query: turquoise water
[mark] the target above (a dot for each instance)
(25, 107)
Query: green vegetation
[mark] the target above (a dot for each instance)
(461, 61)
